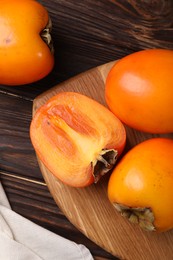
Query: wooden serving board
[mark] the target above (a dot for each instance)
(88, 208)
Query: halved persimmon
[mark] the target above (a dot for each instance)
(77, 138)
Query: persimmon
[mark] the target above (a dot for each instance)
(26, 50)
(139, 90)
(77, 138)
(141, 185)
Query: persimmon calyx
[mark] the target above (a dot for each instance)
(142, 216)
(46, 35)
(104, 163)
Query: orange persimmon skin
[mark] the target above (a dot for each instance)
(24, 56)
(139, 90)
(144, 178)
(69, 132)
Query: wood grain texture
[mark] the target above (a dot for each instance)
(16, 152)
(88, 208)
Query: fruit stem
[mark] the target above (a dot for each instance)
(142, 216)
(46, 36)
(104, 163)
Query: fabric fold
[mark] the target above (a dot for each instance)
(22, 239)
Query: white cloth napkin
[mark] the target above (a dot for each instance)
(21, 239)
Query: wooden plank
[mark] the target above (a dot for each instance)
(17, 154)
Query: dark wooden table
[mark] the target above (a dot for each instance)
(86, 34)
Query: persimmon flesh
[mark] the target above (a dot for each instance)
(141, 185)
(77, 138)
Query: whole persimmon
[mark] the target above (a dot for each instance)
(77, 138)
(141, 185)
(139, 90)
(26, 50)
